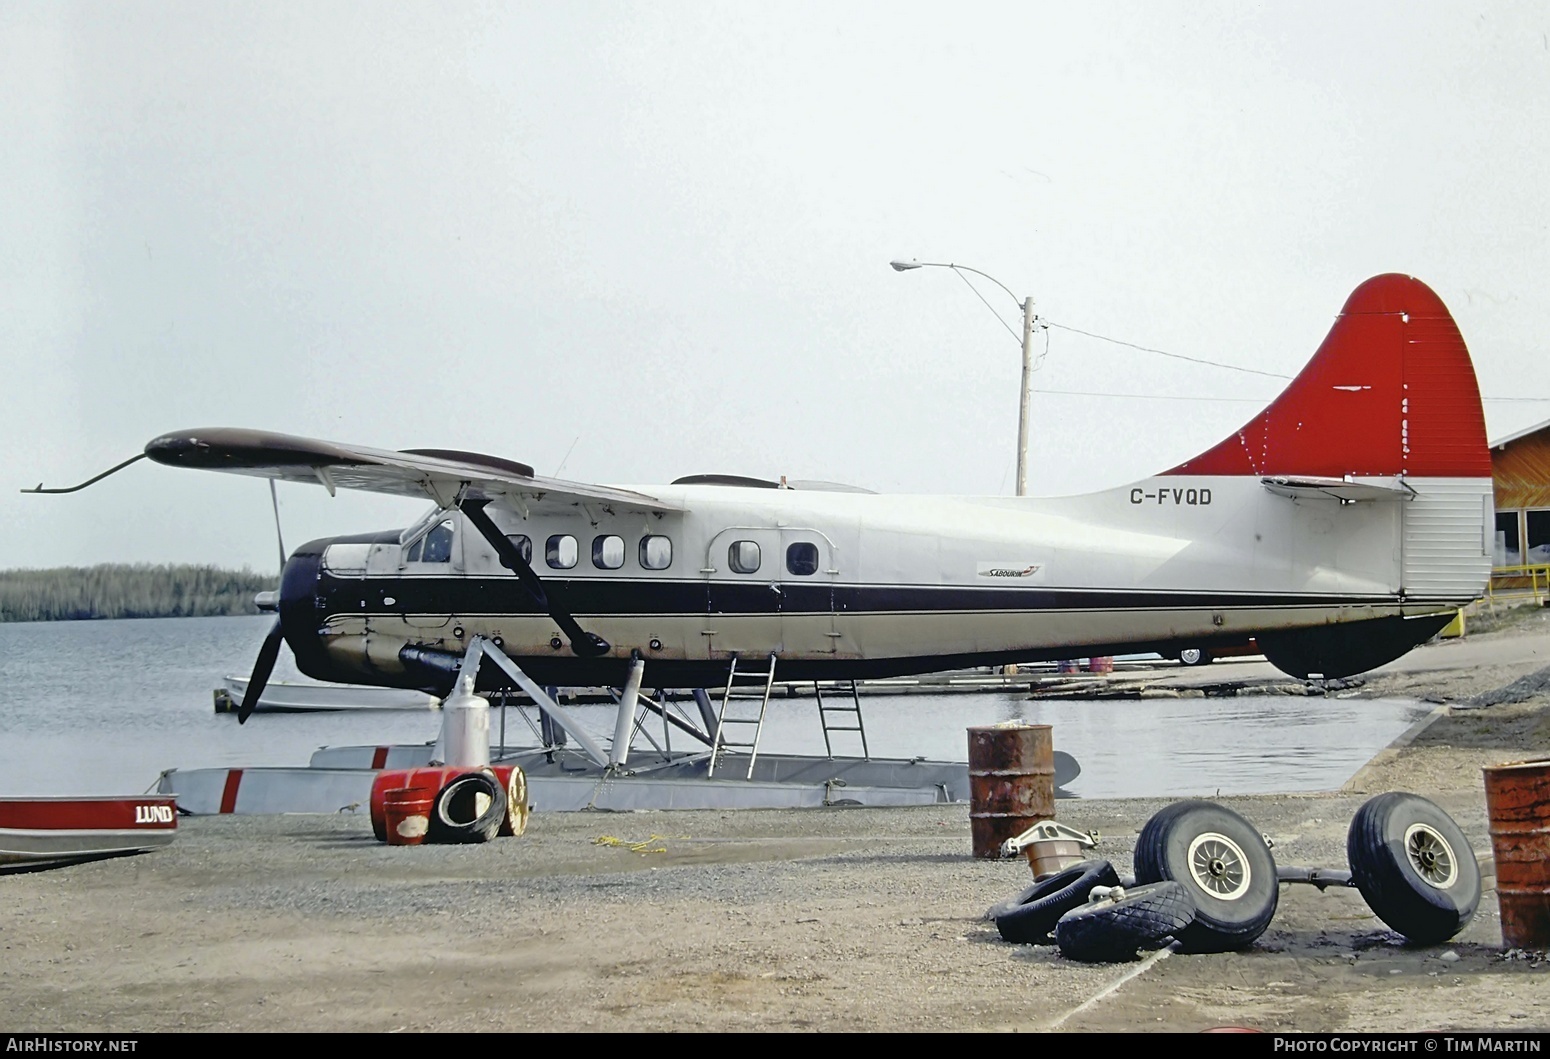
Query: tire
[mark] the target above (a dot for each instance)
(470, 808)
(1414, 867)
(1111, 929)
(1001, 908)
(1195, 656)
(1037, 909)
(1222, 860)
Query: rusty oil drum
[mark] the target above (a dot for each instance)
(1517, 803)
(1011, 782)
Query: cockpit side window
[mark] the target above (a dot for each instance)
(438, 545)
(432, 547)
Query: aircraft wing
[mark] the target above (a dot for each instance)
(443, 475)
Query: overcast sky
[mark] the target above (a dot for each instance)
(648, 240)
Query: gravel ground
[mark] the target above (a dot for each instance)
(838, 919)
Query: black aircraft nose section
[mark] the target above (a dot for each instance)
(301, 613)
(304, 605)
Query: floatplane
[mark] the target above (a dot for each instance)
(1340, 528)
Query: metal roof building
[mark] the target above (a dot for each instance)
(1520, 468)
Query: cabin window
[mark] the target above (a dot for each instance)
(802, 559)
(1509, 550)
(656, 553)
(523, 545)
(414, 551)
(1538, 539)
(560, 551)
(743, 557)
(608, 552)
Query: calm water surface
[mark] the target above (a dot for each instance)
(102, 707)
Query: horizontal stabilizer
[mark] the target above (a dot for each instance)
(1345, 490)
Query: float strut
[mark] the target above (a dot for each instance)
(624, 724)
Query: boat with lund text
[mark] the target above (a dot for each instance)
(38, 830)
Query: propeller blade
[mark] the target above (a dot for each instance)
(261, 670)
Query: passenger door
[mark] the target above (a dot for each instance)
(743, 594)
(807, 576)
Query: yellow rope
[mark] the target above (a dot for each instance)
(634, 847)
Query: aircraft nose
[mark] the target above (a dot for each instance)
(298, 605)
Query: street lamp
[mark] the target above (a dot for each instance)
(1026, 304)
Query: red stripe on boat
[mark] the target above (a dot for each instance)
(379, 757)
(229, 794)
(150, 812)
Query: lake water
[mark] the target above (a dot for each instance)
(102, 707)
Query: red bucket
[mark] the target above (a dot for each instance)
(406, 816)
(427, 780)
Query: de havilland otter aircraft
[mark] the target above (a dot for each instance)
(1339, 528)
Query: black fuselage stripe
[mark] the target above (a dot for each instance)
(595, 596)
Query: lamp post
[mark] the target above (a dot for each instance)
(1026, 304)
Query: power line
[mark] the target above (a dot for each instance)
(1192, 360)
(981, 297)
(1239, 400)
(1153, 396)
(1164, 352)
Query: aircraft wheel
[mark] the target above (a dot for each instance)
(1195, 656)
(1224, 863)
(517, 808)
(1029, 917)
(469, 808)
(517, 801)
(1414, 866)
(1112, 926)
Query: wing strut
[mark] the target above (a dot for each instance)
(584, 644)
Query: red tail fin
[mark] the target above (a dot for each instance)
(1391, 391)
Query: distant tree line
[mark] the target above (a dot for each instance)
(73, 593)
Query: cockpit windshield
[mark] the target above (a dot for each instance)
(429, 540)
(421, 525)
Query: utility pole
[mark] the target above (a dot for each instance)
(1023, 397)
(1027, 378)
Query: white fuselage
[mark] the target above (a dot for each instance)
(1171, 559)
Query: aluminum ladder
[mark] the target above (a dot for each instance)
(828, 726)
(719, 742)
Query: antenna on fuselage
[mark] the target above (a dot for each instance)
(566, 460)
